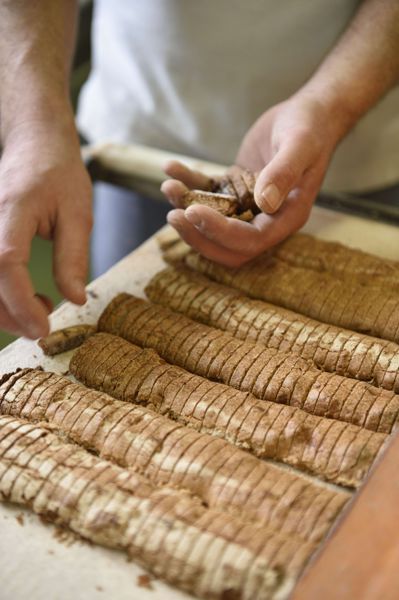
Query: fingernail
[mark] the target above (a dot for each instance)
(79, 289)
(193, 217)
(271, 198)
(35, 331)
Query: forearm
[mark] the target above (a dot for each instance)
(362, 67)
(36, 46)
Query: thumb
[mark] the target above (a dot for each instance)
(71, 256)
(280, 176)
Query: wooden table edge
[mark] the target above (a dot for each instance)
(359, 560)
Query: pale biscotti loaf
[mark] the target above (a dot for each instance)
(167, 531)
(331, 348)
(302, 250)
(265, 372)
(333, 450)
(167, 453)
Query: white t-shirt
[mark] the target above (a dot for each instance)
(191, 76)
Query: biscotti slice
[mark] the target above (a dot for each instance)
(267, 373)
(330, 348)
(302, 250)
(319, 295)
(167, 531)
(333, 450)
(167, 453)
(66, 339)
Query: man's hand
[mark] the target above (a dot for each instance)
(44, 187)
(44, 190)
(295, 140)
(292, 143)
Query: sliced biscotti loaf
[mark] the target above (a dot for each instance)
(336, 451)
(169, 532)
(309, 252)
(266, 373)
(319, 295)
(331, 348)
(302, 250)
(170, 454)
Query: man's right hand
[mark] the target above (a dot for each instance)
(44, 190)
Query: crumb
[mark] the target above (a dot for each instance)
(99, 588)
(21, 519)
(92, 294)
(144, 581)
(50, 551)
(64, 536)
(35, 356)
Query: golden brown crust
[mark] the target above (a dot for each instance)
(266, 373)
(137, 438)
(332, 450)
(331, 348)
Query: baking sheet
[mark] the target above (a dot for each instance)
(34, 564)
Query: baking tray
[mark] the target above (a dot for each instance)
(36, 564)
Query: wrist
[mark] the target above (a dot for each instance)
(42, 126)
(333, 100)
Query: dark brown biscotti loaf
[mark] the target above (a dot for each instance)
(170, 454)
(306, 251)
(266, 373)
(331, 348)
(319, 295)
(169, 532)
(333, 450)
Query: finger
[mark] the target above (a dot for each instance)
(71, 254)
(201, 244)
(282, 174)
(174, 191)
(192, 179)
(8, 323)
(46, 301)
(20, 301)
(23, 311)
(250, 239)
(226, 232)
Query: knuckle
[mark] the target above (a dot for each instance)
(8, 258)
(288, 175)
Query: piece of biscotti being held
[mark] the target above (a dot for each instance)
(232, 195)
(268, 374)
(331, 348)
(153, 445)
(319, 295)
(167, 531)
(336, 451)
